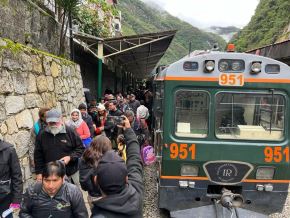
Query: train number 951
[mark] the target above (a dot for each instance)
(276, 154)
(182, 151)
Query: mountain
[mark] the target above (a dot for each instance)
(138, 18)
(226, 33)
(268, 25)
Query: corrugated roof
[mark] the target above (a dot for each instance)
(138, 54)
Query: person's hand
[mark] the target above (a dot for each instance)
(65, 159)
(126, 123)
(39, 177)
(14, 206)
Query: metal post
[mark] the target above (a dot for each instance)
(100, 70)
(100, 74)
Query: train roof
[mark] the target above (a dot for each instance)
(177, 70)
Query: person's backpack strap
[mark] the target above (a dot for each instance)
(36, 127)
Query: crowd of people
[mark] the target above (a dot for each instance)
(97, 149)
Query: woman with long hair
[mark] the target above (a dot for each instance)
(89, 162)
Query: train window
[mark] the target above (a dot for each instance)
(231, 65)
(191, 113)
(272, 68)
(250, 116)
(190, 66)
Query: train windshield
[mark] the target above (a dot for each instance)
(191, 113)
(250, 116)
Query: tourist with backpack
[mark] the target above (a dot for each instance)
(140, 128)
(39, 125)
(53, 197)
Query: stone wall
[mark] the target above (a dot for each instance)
(29, 80)
(22, 22)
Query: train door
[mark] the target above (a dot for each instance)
(158, 117)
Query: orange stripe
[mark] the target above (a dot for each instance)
(205, 178)
(184, 177)
(215, 79)
(268, 181)
(254, 80)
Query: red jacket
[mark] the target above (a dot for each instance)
(83, 131)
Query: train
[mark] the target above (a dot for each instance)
(221, 132)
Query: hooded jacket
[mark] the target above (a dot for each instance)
(10, 173)
(129, 202)
(67, 203)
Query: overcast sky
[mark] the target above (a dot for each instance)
(206, 13)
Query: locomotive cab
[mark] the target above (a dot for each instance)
(221, 127)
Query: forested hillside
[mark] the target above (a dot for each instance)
(137, 18)
(267, 26)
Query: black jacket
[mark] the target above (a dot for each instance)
(129, 202)
(87, 174)
(50, 148)
(10, 173)
(67, 203)
(89, 121)
(111, 128)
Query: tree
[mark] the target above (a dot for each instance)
(65, 8)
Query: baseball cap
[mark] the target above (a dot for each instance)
(53, 115)
(111, 173)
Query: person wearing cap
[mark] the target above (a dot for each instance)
(87, 118)
(133, 103)
(53, 197)
(142, 111)
(57, 142)
(121, 184)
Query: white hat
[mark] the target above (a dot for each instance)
(101, 107)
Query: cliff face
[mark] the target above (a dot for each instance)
(138, 17)
(269, 25)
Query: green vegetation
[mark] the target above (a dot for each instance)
(266, 26)
(138, 18)
(17, 48)
(91, 22)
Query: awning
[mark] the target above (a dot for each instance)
(279, 51)
(138, 54)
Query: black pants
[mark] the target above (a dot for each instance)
(4, 204)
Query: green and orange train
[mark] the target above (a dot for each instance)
(222, 132)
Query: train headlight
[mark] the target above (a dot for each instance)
(265, 173)
(237, 66)
(209, 66)
(189, 170)
(256, 67)
(223, 66)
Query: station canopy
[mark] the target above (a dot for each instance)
(279, 51)
(138, 54)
